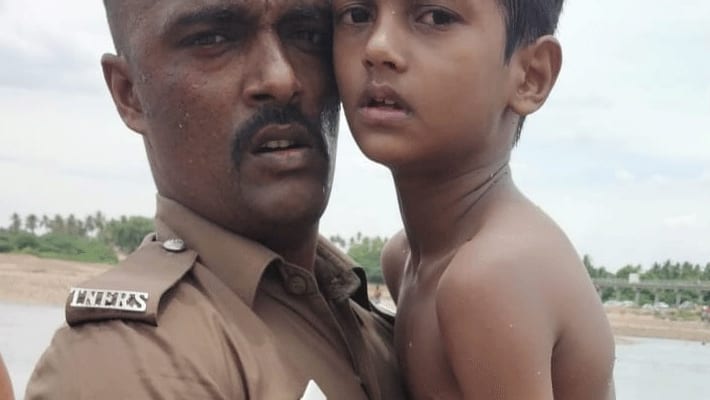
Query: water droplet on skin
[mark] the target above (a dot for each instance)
(510, 326)
(410, 344)
(180, 125)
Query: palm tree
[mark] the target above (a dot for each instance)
(72, 227)
(16, 222)
(31, 223)
(58, 224)
(89, 224)
(99, 221)
(46, 223)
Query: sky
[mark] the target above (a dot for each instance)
(619, 156)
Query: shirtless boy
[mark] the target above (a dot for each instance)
(492, 299)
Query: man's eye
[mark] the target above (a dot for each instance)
(356, 15)
(206, 39)
(437, 18)
(313, 37)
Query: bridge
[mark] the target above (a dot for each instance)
(701, 288)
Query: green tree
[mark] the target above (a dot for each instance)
(99, 221)
(31, 222)
(57, 225)
(72, 225)
(366, 252)
(89, 225)
(600, 272)
(126, 233)
(15, 222)
(627, 270)
(45, 222)
(338, 241)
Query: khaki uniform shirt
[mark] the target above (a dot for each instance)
(216, 316)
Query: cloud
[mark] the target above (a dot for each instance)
(44, 46)
(682, 221)
(618, 156)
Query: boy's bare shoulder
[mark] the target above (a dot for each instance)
(393, 259)
(519, 241)
(517, 295)
(518, 257)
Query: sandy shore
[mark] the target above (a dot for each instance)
(31, 280)
(632, 322)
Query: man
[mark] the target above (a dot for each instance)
(5, 383)
(234, 296)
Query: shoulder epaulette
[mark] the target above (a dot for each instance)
(132, 290)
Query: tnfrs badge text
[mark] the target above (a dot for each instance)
(109, 299)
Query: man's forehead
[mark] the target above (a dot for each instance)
(174, 9)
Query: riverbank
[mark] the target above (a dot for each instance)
(27, 279)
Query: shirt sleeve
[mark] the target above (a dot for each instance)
(121, 360)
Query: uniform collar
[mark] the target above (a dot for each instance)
(240, 262)
(236, 260)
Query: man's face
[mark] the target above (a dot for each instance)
(239, 108)
(422, 84)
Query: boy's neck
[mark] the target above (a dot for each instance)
(442, 212)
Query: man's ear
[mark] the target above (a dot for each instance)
(536, 68)
(120, 83)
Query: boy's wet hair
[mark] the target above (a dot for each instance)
(525, 22)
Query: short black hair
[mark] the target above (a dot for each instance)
(525, 22)
(112, 8)
(122, 16)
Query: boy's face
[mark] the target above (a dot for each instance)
(423, 83)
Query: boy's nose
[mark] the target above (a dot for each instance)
(383, 48)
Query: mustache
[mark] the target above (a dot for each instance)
(274, 115)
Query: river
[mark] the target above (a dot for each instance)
(646, 369)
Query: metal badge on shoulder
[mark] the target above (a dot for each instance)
(108, 299)
(174, 245)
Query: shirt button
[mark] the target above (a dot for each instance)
(297, 285)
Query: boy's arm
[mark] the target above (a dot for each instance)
(497, 330)
(393, 259)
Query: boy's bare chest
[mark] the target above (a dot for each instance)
(419, 346)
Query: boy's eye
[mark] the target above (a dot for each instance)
(356, 15)
(437, 17)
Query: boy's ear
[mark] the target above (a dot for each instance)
(535, 71)
(120, 83)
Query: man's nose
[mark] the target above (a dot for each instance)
(383, 49)
(273, 78)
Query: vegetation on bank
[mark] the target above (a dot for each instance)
(666, 271)
(95, 238)
(91, 239)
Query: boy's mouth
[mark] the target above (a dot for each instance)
(382, 96)
(384, 102)
(382, 105)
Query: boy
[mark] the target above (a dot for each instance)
(492, 299)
